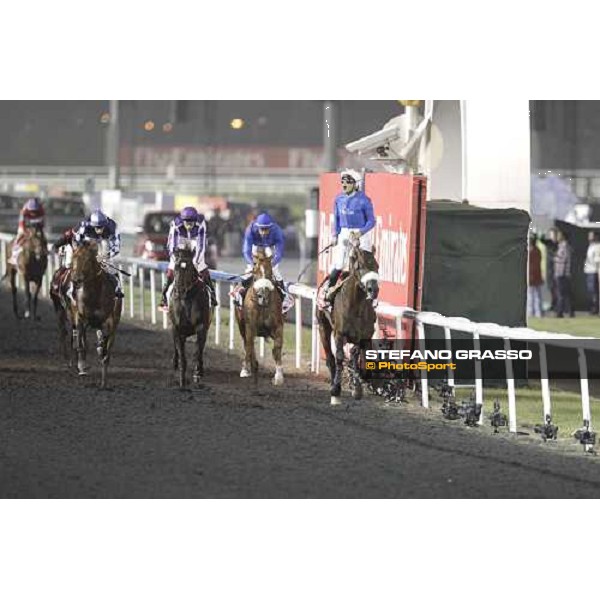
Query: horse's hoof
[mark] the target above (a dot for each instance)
(99, 351)
(38, 318)
(82, 372)
(357, 392)
(26, 315)
(335, 400)
(245, 373)
(197, 377)
(278, 379)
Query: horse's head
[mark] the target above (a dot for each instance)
(84, 264)
(263, 268)
(263, 276)
(367, 278)
(185, 270)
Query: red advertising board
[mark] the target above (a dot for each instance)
(399, 236)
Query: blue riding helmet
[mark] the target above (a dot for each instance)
(33, 204)
(189, 213)
(264, 221)
(98, 219)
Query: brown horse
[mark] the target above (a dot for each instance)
(261, 316)
(93, 304)
(352, 319)
(31, 264)
(190, 313)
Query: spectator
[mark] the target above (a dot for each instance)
(535, 280)
(562, 276)
(551, 247)
(216, 229)
(591, 269)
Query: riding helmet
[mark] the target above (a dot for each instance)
(264, 221)
(189, 213)
(98, 219)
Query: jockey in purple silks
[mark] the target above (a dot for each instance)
(188, 229)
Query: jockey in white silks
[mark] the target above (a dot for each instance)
(188, 229)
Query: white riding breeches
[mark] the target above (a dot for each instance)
(340, 251)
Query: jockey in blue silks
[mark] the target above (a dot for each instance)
(263, 232)
(188, 230)
(352, 213)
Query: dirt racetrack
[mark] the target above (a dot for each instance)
(61, 437)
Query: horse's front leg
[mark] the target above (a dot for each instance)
(105, 344)
(182, 360)
(325, 335)
(201, 334)
(250, 354)
(35, 301)
(27, 297)
(13, 289)
(336, 384)
(80, 345)
(277, 350)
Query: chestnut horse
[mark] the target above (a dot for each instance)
(93, 303)
(31, 264)
(261, 316)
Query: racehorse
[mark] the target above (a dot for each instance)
(351, 320)
(190, 313)
(31, 264)
(92, 304)
(261, 316)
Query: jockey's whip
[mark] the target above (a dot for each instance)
(313, 260)
(116, 269)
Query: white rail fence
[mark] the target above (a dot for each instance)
(148, 277)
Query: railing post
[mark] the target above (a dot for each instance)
(545, 383)
(424, 383)
(218, 313)
(153, 296)
(510, 385)
(478, 376)
(163, 280)
(448, 336)
(231, 317)
(261, 346)
(585, 391)
(142, 311)
(3, 257)
(314, 334)
(298, 311)
(131, 293)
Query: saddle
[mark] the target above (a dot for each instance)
(322, 303)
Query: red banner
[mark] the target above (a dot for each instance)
(399, 236)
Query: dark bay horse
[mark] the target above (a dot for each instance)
(93, 304)
(261, 316)
(351, 320)
(190, 313)
(31, 264)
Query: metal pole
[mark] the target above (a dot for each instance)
(545, 383)
(261, 346)
(112, 146)
(153, 295)
(122, 303)
(330, 135)
(510, 384)
(218, 314)
(3, 257)
(298, 315)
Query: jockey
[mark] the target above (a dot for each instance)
(31, 216)
(188, 228)
(263, 232)
(103, 230)
(353, 212)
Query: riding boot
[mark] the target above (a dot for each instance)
(163, 302)
(211, 288)
(333, 277)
